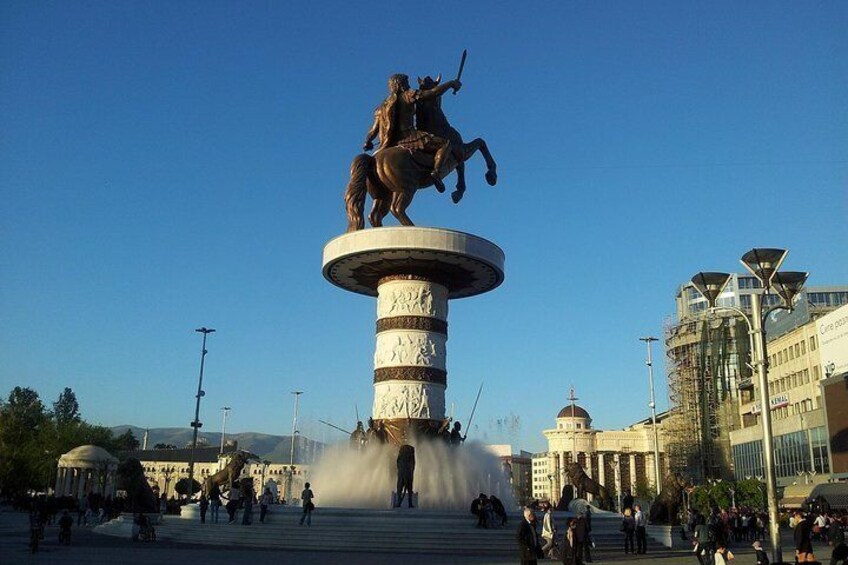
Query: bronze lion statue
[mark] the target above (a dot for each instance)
(131, 479)
(583, 483)
(666, 506)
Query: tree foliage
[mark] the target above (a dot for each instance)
(749, 493)
(32, 438)
(127, 441)
(182, 486)
(66, 409)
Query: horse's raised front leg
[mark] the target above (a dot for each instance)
(492, 172)
(400, 202)
(491, 166)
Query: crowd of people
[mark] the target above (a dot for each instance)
(489, 510)
(242, 496)
(713, 534)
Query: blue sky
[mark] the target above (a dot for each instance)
(165, 166)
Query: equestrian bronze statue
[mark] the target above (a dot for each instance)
(418, 148)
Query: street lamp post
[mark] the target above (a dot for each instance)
(296, 394)
(226, 411)
(196, 422)
(653, 406)
(763, 263)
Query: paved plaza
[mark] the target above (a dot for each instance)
(91, 548)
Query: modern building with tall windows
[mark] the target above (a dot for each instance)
(796, 375)
(714, 423)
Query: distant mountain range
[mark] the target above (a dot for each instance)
(276, 449)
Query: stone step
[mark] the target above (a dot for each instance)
(366, 530)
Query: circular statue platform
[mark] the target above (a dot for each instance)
(413, 272)
(466, 264)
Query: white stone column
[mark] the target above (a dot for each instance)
(58, 484)
(410, 370)
(616, 461)
(75, 480)
(563, 476)
(649, 470)
(601, 470)
(588, 458)
(632, 473)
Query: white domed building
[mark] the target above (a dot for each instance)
(86, 469)
(621, 460)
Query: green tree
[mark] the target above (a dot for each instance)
(164, 446)
(22, 419)
(66, 408)
(182, 486)
(127, 441)
(32, 439)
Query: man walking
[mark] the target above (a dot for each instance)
(529, 546)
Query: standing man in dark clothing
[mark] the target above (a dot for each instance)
(627, 501)
(801, 535)
(204, 506)
(581, 540)
(836, 538)
(529, 545)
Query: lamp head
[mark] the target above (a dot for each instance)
(710, 285)
(763, 263)
(788, 284)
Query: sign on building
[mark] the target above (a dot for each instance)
(778, 401)
(833, 342)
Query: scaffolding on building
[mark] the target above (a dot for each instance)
(707, 367)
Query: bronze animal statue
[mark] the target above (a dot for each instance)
(665, 508)
(411, 157)
(586, 484)
(225, 477)
(131, 479)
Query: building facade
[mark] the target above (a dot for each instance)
(805, 426)
(621, 460)
(711, 385)
(165, 467)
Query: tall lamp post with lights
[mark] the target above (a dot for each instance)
(196, 422)
(763, 263)
(296, 394)
(653, 405)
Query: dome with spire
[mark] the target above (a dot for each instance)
(579, 412)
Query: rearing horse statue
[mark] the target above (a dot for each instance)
(395, 173)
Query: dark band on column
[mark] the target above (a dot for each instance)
(407, 277)
(424, 323)
(416, 374)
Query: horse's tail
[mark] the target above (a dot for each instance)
(356, 190)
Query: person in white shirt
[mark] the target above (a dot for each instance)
(641, 530)
(548, 529)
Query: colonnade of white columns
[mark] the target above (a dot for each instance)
(79, 481)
